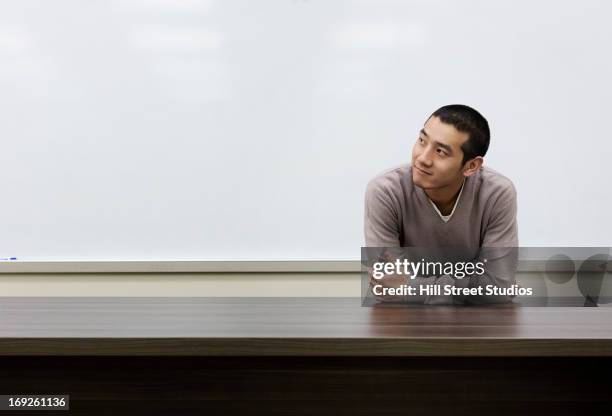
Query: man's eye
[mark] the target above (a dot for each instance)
(421, 140)
(441, 152)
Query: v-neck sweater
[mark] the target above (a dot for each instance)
(398, 213)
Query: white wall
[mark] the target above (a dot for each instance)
(168, 130)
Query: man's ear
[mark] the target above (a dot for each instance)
(472, 166)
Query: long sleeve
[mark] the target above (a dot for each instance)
(499, 248)
(381, 219)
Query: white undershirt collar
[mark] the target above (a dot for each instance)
(445, 218)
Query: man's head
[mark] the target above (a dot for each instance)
(450, 146)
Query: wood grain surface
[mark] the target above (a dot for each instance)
(294, 327)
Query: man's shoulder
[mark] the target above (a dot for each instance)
(493, 182)
(391, 180)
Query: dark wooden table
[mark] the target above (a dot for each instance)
(304, 356)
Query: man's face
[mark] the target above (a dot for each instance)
(437, 155)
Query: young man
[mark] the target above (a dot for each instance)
(445, 198)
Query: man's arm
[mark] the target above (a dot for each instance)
(500, 249)
(381, 219)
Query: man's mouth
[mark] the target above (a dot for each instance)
(422, 171)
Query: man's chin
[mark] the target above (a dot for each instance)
(418, 181)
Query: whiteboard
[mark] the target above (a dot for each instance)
(248, 130)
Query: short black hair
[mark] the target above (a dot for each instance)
(467, 120)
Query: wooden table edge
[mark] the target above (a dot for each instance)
(306, 346)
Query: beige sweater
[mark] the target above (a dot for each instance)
(399, 214)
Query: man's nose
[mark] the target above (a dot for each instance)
(425, 157)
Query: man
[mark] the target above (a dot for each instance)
(446, 198)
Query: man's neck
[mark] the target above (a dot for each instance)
(445, 198)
